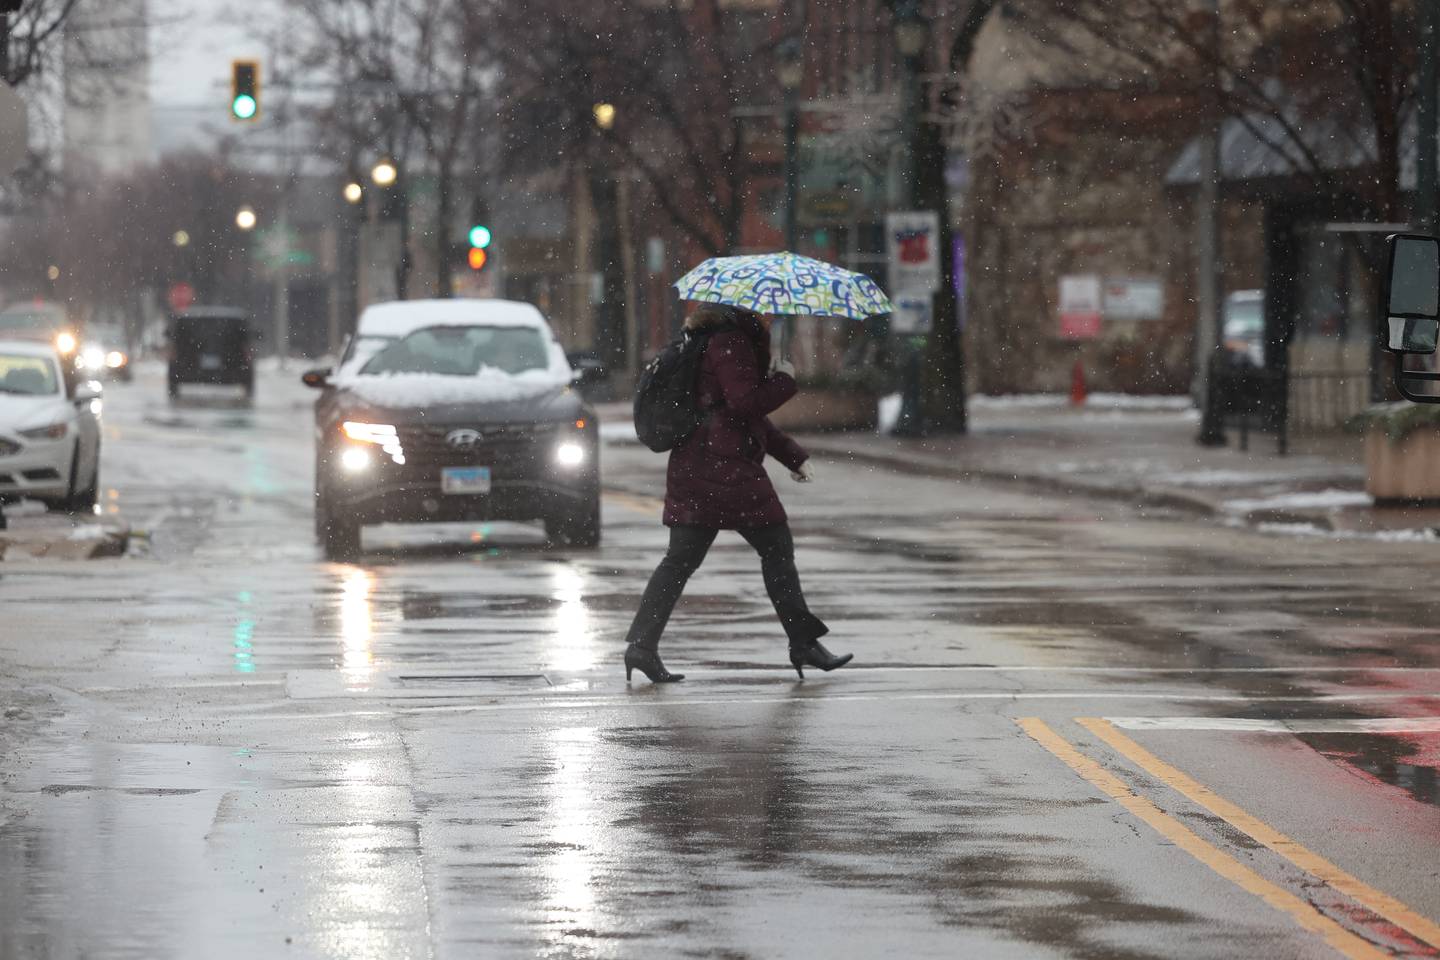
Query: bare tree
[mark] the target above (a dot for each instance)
(677, 75)
(29, 40)
(1321, 84)
(406, 84)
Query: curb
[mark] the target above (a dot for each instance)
(1163, 499)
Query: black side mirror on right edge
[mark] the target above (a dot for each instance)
(1412, 307)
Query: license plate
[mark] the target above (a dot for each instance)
(465, 480)
(208, 361)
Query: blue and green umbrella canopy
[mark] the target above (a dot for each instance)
(785, 284)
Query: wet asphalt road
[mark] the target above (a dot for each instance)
(1071, 729)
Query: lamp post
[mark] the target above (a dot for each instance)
(791, 74)
(912, 34)
(386, 175)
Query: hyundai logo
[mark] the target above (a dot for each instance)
(463, 439)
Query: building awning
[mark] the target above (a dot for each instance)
(1258, 146)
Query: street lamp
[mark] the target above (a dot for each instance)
(353, 192)
(245, 218)
(182, 238)
(604, 115)
(385, 173)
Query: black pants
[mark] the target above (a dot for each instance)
(688, 546)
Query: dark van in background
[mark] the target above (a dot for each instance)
(213, 345)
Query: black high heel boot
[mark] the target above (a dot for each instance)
(815, 655)
(648, 663)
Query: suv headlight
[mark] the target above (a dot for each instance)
(55, 431)
(383, 435)
(570, 453)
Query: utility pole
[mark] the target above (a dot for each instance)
(1208, 281)
(1426, 175)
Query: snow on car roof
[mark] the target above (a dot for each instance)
(399, 317)
(28, 348)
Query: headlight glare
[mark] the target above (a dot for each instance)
(570, 454)
(355, 459)
(114, 359)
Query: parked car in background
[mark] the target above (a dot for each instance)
(211, 345)
(49, 429)
(1243, 330)
(472, 415)
(102, 354)
(41, 321)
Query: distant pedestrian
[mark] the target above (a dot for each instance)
(716, 481)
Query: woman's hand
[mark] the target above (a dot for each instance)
(778, 365)
(804, 474)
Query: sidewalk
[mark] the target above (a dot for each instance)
(1140, 451)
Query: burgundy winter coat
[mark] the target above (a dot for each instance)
(716, 478)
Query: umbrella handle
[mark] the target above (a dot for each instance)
(786, 327)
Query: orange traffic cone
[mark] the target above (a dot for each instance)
(1078, 393)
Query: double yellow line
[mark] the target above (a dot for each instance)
(1305, 914)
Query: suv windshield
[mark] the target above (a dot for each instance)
(462, 351)
(26, 375)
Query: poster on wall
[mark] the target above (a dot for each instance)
(1134, 298)
(1080, 302)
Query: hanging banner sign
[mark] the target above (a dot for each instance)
(913, 243)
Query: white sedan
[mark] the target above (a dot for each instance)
(49, 429)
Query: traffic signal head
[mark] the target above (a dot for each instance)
(477, 258)
(480, 236)
(245, 90)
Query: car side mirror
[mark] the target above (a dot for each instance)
(317, 378)
(1412, 307)
(588, 372)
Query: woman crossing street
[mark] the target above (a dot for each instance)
(716, 480)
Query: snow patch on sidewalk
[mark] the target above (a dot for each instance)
(1095, 401)
(1331, 499)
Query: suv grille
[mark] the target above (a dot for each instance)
(508, 450)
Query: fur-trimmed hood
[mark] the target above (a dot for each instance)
(719, 317)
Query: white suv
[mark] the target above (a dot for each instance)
(49, 429)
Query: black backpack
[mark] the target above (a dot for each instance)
(667, 411)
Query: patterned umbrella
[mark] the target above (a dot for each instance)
(785, 283)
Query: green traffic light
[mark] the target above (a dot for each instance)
(243, 106)
(480, 237)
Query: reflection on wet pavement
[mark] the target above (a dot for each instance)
(433, 752)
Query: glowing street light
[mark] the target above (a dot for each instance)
(53, 273)
(182, 238)
(353, 192)
(604, 115)
(245, 218)
(385, 173)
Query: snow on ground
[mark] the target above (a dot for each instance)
(1331, 499)
(1095, 401)
(1421, 535)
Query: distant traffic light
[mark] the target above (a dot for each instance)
(477, 258)
(480, 236)
(245, 89)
